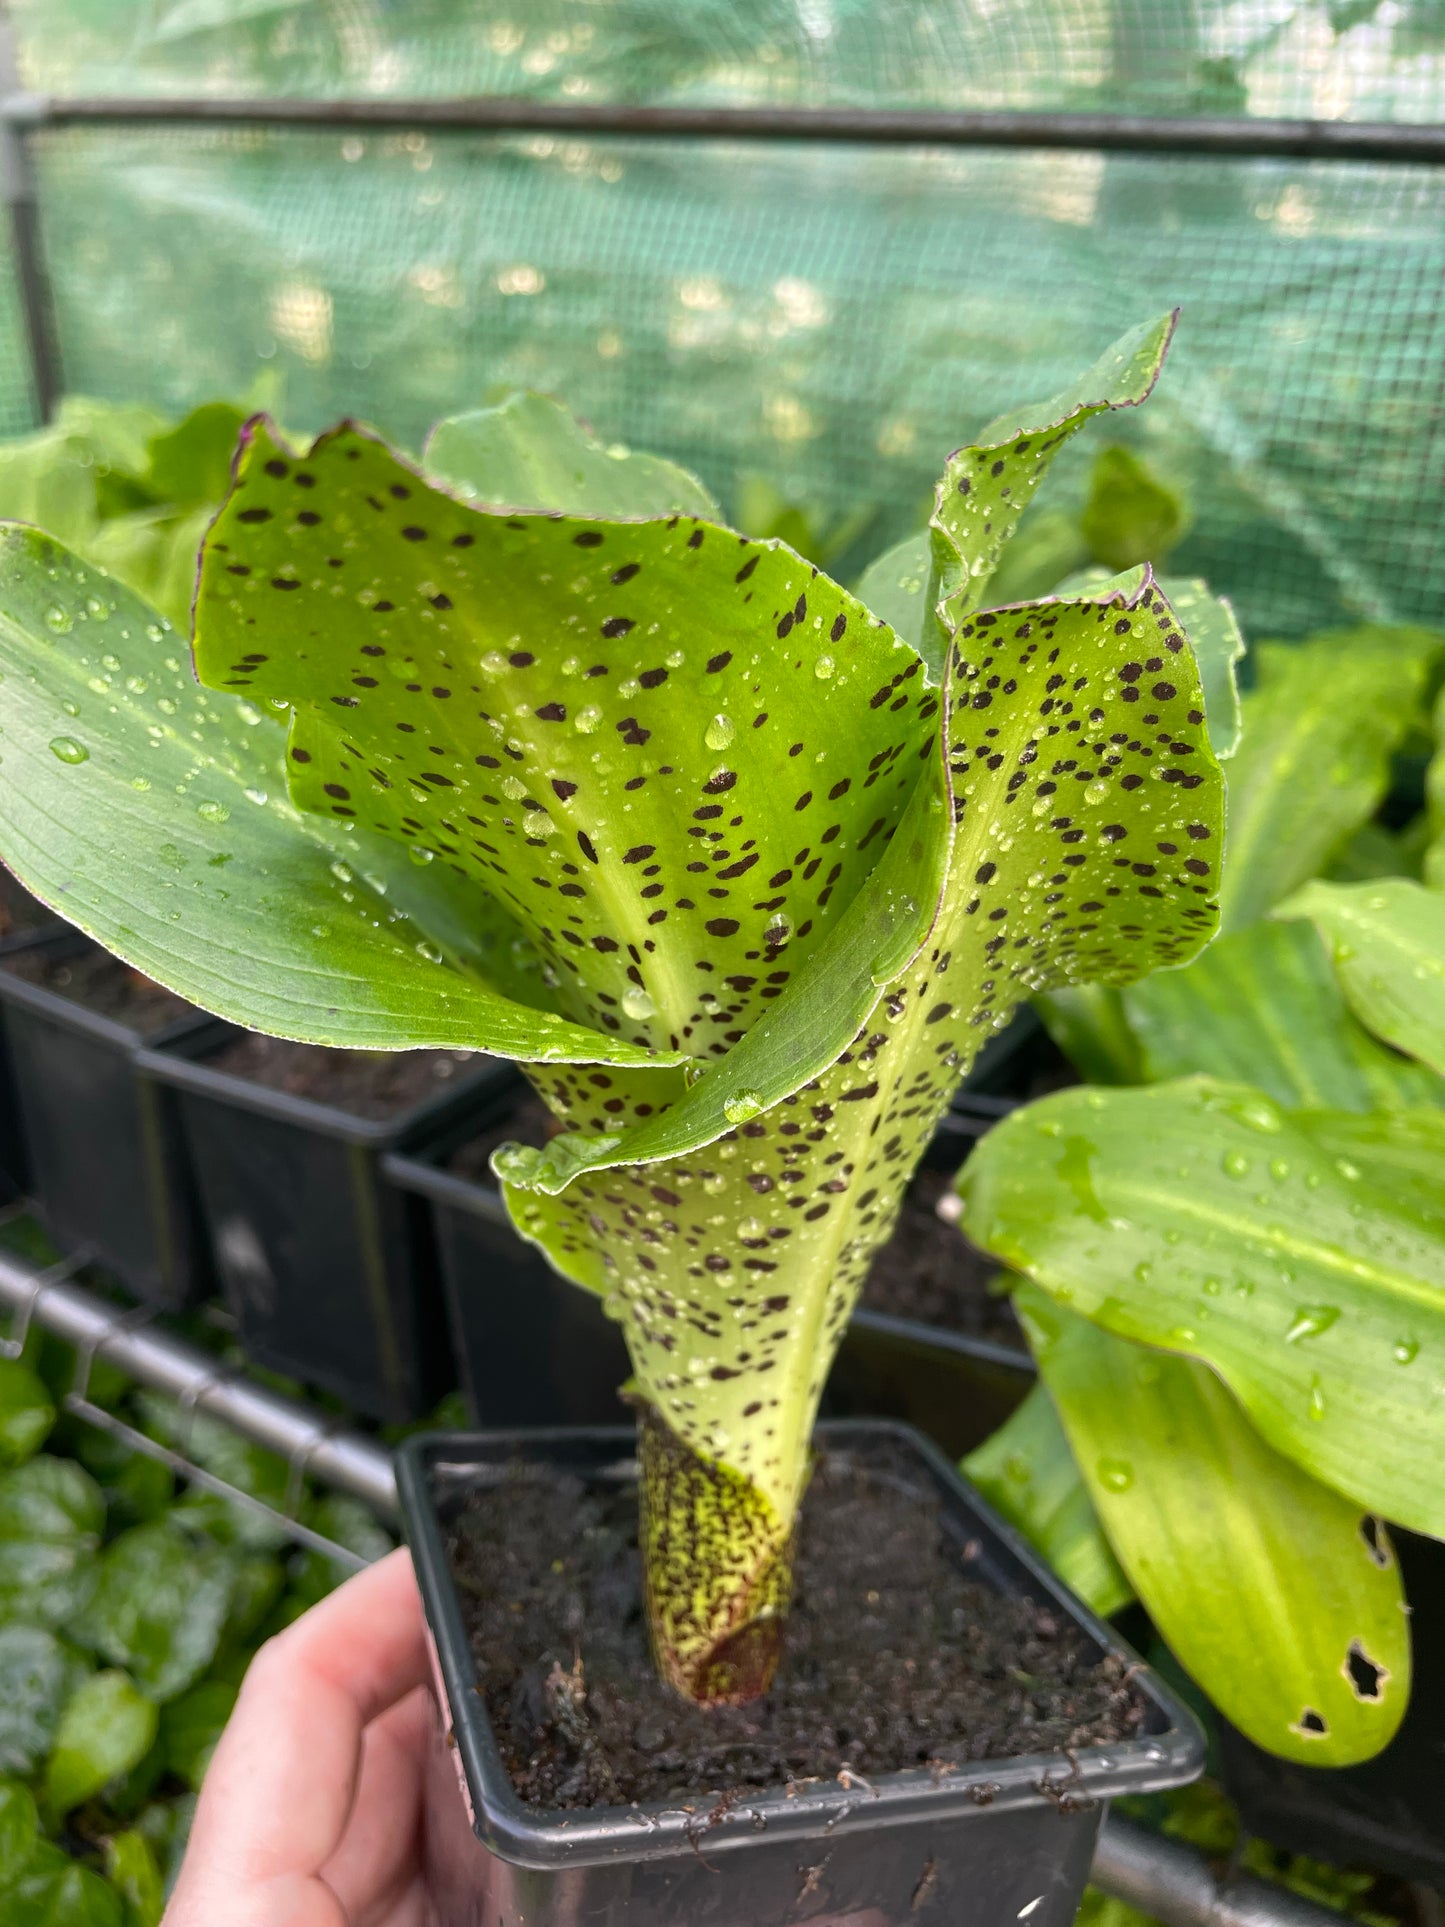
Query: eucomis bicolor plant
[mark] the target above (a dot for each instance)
(522, 749)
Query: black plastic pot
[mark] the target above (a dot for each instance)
(531, 1349)
(106, 1165)
(330, 1271)
(998, 1842)
(14, 1161)
(1390, 1812)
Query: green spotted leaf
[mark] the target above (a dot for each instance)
(154, 815)
(671, 753)
(1313, 762)
(1027, 1472)
(529, 452)
(1262, 1006)
(1301, 1255)
(1214, 635)
(1387, 942)
(1280, 1597)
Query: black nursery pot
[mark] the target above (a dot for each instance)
(531, 1348)
(328, 1269)
(103, 1154)
(999, 1841)
(14, 1160)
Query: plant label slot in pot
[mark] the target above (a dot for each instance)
(107, 1167)
(328, 1269)
(957, 1834)
(530, 1348)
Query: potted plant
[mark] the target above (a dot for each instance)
(1263, 1216)
(525, 751)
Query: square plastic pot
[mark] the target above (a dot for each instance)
(531, 1348)
(14, 1161)
(329, 1270)
(106, 1164)
(996, 1842)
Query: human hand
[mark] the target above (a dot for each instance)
(310, 1814)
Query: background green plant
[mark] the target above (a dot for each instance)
(129, 1611)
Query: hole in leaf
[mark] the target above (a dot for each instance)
(1311, 1725)
(1367, 1678)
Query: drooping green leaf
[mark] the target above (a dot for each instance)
(154, 552)
(1027, 1472)
(26, 1413)
(106, 1728)
(154, 815)
(1302, 1256)
(159, 1604)
(1262, 1006)
(190, 1727)
(1044, 557)
(529, 452)
(84, 466)
(1387, 942)
(1280, 1597)
(51, 1516)
(1434, 867)
(1090, 1025)
(19, 1830)
(56, 1891)
(987, 486)
(38, 1674)
(593, 721)
(131, 1868)
(1130, 516)
(811, 530)
(189, 465)
(1314, 757)
(895, 587)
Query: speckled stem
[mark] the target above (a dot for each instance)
(718, 1571)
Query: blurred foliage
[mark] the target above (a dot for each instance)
(129, 1612)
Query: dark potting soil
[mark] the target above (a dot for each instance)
(18, 909)
(893, 1658)
(930, 1272)
(105, 985)
(527, 1122)
(368, 1084)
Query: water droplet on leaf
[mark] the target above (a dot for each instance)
(741, 1106)
(68, 750)
(719, 732)
(637, 1004)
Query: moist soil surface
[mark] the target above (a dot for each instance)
(929, 1271)
(893, 1658)
(18, 909)
(368, 1084)
(105, 985)
(527, 1122)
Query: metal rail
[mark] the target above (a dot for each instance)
(312, 1445)
(1174, 1884)
(1267, 139)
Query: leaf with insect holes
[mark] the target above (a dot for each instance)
(1300, 1254)
(671, 753)
(1313, 763)
(1281, 1598)
(1027, 1472)
(1262, 1005)
(153, 814)
(529, 452)
(1387, 942)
